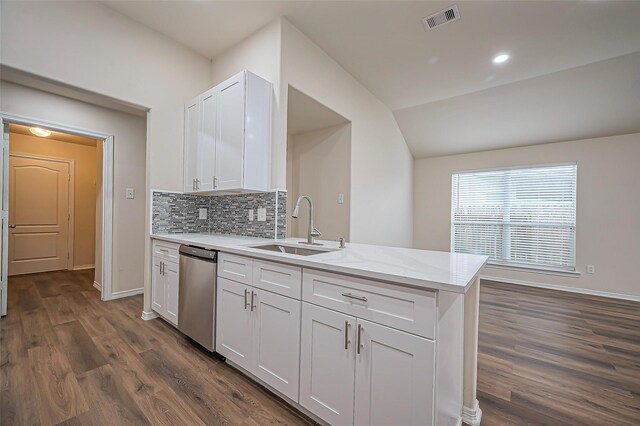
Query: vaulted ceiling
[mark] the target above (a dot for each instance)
(445, 91)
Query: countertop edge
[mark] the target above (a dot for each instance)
(318, 265)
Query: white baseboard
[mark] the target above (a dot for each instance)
(563, 288)
(81, 267)
(472, 415)
(149, 315)
(126, 293)
(98, 286)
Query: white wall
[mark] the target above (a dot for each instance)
(91, 47)
(129, 167)
(381, 164)
(318, 165)
(608, 207)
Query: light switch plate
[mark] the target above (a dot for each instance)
(202, 214)
(250, 215)
(131, 193)
(262, 214)
(340, 198)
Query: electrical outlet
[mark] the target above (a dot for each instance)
(340, 198)
(130, 193)
(250, 215)
(591, 269)
(202, 214)
(262, 214)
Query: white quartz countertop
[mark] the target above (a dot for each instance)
(424, 269)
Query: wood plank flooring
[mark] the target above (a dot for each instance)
(554, 358)
(545, 358)
(68, 358)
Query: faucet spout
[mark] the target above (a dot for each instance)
(312, 232)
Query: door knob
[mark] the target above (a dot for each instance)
(12, 225)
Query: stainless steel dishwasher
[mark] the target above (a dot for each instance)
(197, 295)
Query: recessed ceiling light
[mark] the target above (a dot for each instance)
(39, 131)
(503, 57)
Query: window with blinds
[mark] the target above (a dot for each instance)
(519, 217)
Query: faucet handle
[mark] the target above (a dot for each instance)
(315, 232)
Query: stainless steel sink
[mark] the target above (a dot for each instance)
(289, 249)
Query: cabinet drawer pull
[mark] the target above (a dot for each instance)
(360, 328)
(346, 335)
(252, 305)
(246, 304)
(353, 296)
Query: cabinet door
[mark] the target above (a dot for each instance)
(171, 289)
(191, 130)
(158, 293)
(233, 322)
(327, 364)
(230, 133)
(207, 141)
(394, 377)
(276, 341)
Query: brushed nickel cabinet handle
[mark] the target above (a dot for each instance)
(353, 296)
(360, 328)
(252, 305)
(246, 304)
(346, 335)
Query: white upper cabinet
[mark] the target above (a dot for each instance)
(228, 137)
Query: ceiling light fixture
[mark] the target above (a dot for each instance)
(503, 57)
(39, 131)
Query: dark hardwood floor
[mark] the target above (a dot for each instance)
(69, 358)
(545, 358)
(554, 358)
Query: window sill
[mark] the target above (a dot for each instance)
(535, 269)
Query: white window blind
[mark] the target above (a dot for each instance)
(524, 216)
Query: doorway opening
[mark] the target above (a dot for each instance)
(318, 165)
(55, 181)
(53, 187)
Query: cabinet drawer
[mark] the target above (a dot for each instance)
(235, 268)
(403, 308)
(278, 278)
(165, 250)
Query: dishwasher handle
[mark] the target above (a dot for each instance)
(199, 253)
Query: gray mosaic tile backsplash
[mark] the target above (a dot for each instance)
(228, 214)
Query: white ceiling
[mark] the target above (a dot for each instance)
(384, 45)
(595, 100)
(58, 136)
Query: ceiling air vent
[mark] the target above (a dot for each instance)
(443, 17)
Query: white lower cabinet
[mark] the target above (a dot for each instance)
(354, 371)
(394, 377)
(233, 322)
(164, 289)
(260, 331)
(327, 364)
(276, 341)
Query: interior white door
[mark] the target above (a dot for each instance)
(276, 341)
(170, 271)
(230, 133)
(233, 322)
(327, 364)
(394, 377)
(38, 215)
(191, 137)
(4, 208)
(158, 287)
(207, 141)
